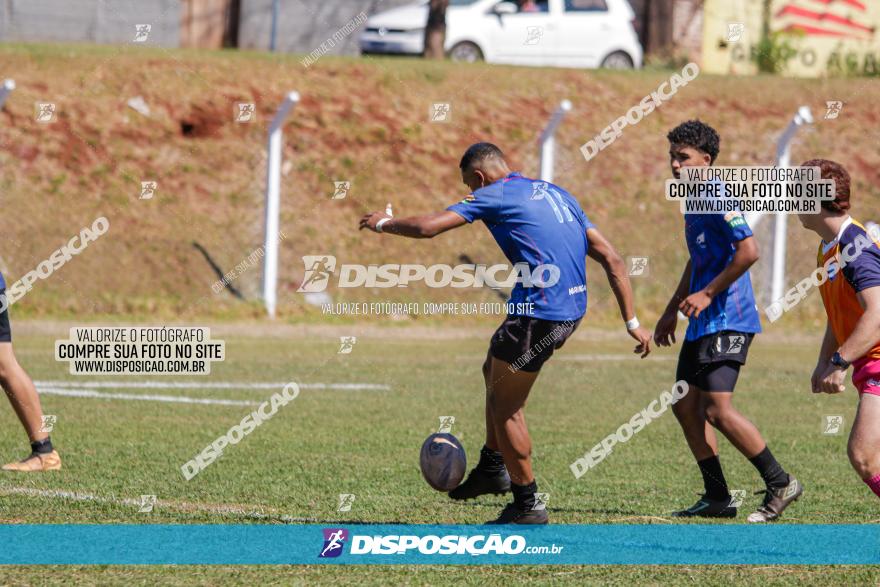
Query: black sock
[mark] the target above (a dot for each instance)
(42, 447)
(771, 471)
(713, 478)
(491, 461)
(524, 495)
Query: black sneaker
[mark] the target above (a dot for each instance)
(479, 483)
(708, 508)
(775, 501)
(513, 514)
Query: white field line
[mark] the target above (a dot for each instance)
(247, 511)
(207, 385)
(89, 393)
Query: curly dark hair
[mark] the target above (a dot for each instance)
(835, 171)
(696, 134)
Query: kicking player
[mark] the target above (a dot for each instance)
(715, 293)
(24, 399)
(851, 295)
(536, 224)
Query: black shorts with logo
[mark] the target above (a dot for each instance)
(526, 342)
(712, 362)
(5, 328)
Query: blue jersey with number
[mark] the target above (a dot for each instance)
(710, 239)
(541, 225)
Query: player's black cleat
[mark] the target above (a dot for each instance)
(480, 482)
(708, 508)
(514, 514)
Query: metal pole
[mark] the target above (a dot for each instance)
(548, 142)
(5, 90)
(273, 203)
(274, 33)
(783, 159)
(783, 149)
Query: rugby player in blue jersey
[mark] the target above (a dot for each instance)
(24, 399)
(540, 226)
(715, 293)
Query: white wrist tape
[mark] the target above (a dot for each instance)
(380, 223)
(632, 324)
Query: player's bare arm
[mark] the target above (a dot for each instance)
(601, 251)
(862, 339)
(745, 256)
(425, 226)
(829, 345)
(664, 332)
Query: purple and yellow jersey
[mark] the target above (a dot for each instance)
(542, 225)
(710, 239)
(853, 264)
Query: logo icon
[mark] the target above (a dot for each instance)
(832, 424)
(638, 266)
(148, 189)
(735, 344)
(833, 108)
(45, 112)
(735, 31)
(441, 112)
(541, 500)
(446, 424)
(245, 112)
(341, 191)
(334, 540)
(48, 423)
(147, 504)
(533, 35)
(346, 345)
(141, 32)
(737, 496)
(701, 240)
(318, 271)
(345, 502)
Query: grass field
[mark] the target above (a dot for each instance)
(366, 442)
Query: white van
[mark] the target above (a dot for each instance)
(563, 33)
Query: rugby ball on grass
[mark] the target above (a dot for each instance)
(443, 461)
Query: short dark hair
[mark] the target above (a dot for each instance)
(696, 134)
(479, 152)
(835, 171)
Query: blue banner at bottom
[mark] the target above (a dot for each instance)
(429, 544)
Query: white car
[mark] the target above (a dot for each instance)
(563, 33)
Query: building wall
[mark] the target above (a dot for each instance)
(304, 24)
(92, 21)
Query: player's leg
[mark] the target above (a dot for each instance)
(26, 402)
(701, 439)
(864, 441)
(781, 488)
(508, 391)
(490, 476)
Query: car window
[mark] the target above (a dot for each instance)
(462, 2)
(532, 6)
(586, 6)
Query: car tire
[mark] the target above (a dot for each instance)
(466, 52)
(617, 60)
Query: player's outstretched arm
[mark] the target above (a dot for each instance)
(427, 226)
(745, 256)
(601, 251)
(664, 332)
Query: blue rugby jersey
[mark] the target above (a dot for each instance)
(710, 239)
(537, 223)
